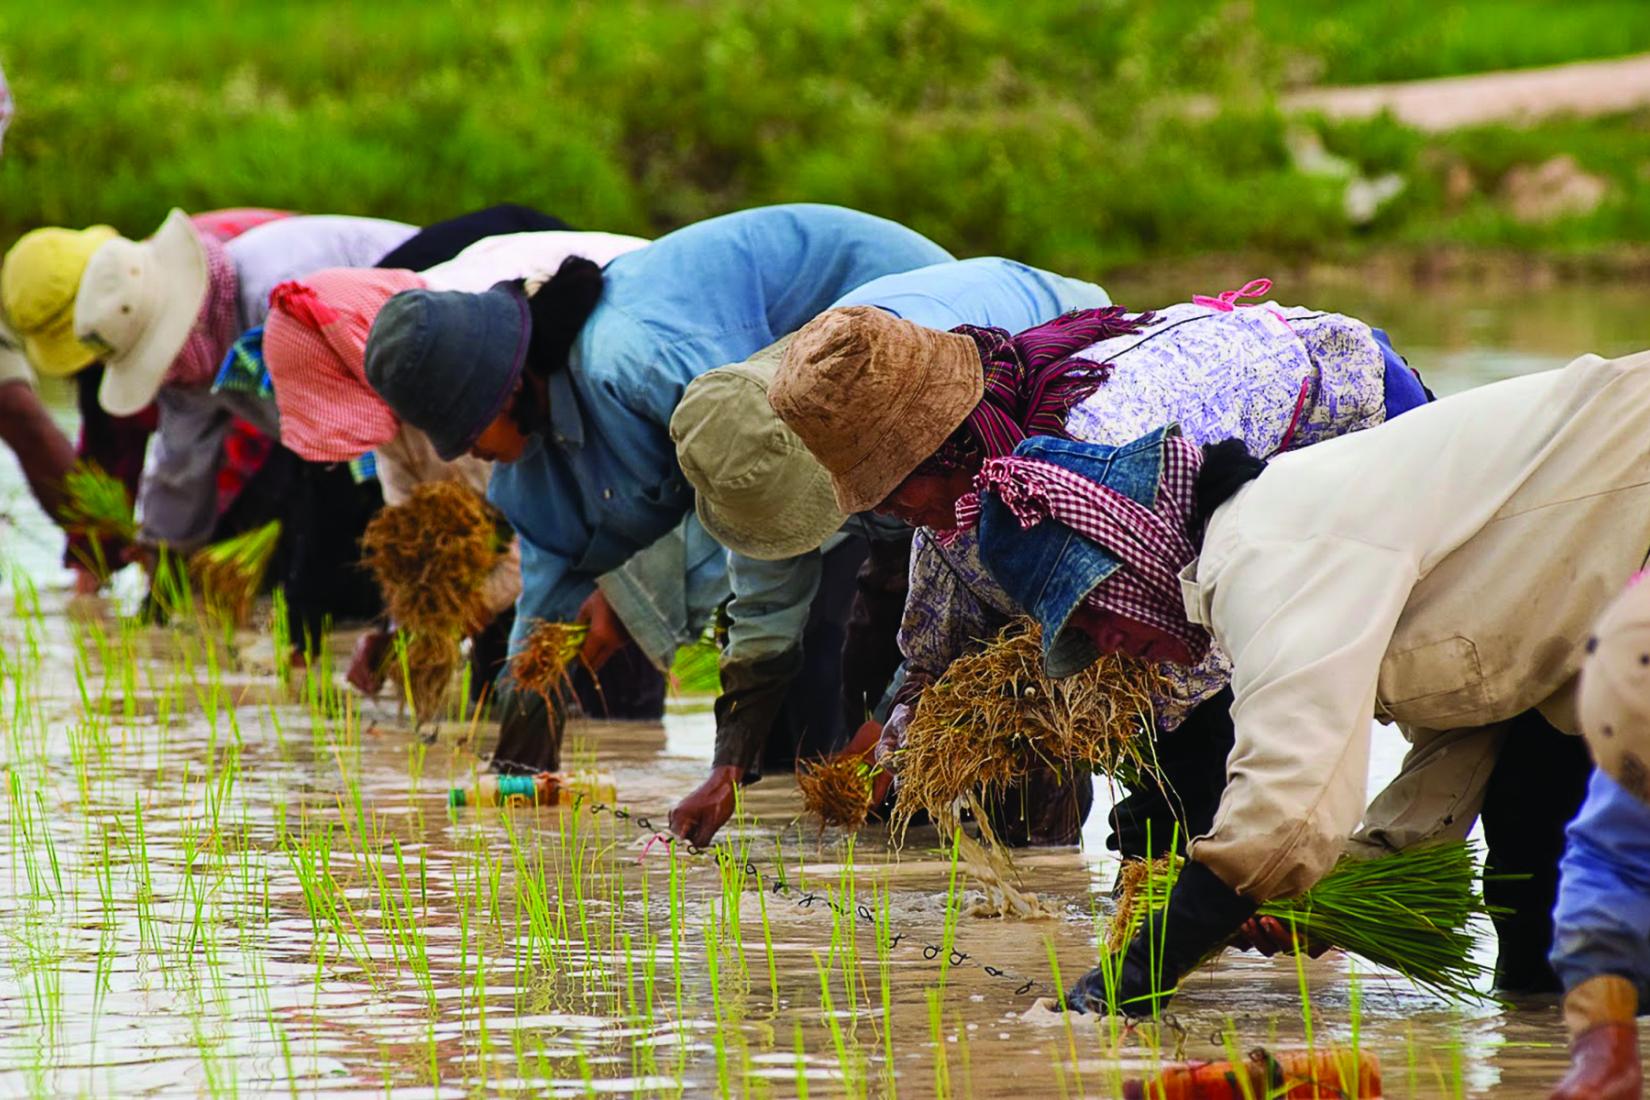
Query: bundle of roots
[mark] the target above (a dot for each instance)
(431, 556)
(836, 789)
(994, 716)
(544, 662)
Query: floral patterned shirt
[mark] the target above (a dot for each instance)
(1276, 378)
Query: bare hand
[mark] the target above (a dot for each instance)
(868, 745)
(85, 581)
(366, 664)
(143, 554)
(1271, 936)
(707, 808)
(607, 634)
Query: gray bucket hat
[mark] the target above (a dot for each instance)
(760, 492)
(448, 361)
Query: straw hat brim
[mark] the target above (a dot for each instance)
(176, 273)
(940, 400)
(54, 351)
(799, 524)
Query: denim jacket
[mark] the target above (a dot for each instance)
(602, 483)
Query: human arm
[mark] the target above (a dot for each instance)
(41, 448)
(1303, 684)
(551, 590)
(178, 497)
(946, 616)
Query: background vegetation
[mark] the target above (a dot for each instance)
(1080, 134)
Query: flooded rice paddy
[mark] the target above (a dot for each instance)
(212, 883)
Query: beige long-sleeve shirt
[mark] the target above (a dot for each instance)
(1441, 571)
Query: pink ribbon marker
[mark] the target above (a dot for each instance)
(1231, 299)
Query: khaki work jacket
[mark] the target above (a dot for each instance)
(1441, 571)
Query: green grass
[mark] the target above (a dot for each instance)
(1048, 130)
(1364, 41)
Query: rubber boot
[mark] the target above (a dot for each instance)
(1604, 1046)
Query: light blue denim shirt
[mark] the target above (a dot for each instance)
(602, 482)
(771, 598)
(1601, 924)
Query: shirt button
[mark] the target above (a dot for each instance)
(607, 494)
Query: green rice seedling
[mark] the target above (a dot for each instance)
(801, 1079)
(97, 508)
(231, 572)
(696, 668)
(713, 951)
(1071, 1034)
(838, 1041)
(767, 945)
(936, 1035)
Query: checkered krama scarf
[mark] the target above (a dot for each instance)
(1033, 379)
(1152, 544)
(314, 345)
(217, 326)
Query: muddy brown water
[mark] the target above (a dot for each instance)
(210, 886)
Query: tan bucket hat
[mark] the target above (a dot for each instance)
(760, 492)
(137, 302)
(38, 282)
(1614, 706)
(872, 396)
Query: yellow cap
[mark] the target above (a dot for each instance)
(39, 279)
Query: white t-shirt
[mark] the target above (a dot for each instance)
(531, 256)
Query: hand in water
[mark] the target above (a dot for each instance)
(366, 664)
(698, 816)
(607, 634)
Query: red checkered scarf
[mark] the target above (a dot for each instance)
(216, 327)
(314, 345)
(1151, 544)
(1033, 379)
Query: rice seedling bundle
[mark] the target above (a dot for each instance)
(982, 726)
(1410, 911)
(231, 572)
(431, 557)
(547, 653)
(97, 507)
(836, 789)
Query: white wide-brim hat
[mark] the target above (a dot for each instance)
(138, 300)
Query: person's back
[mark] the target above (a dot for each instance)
(1440, 495)
(701, 297)
(293, 247)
